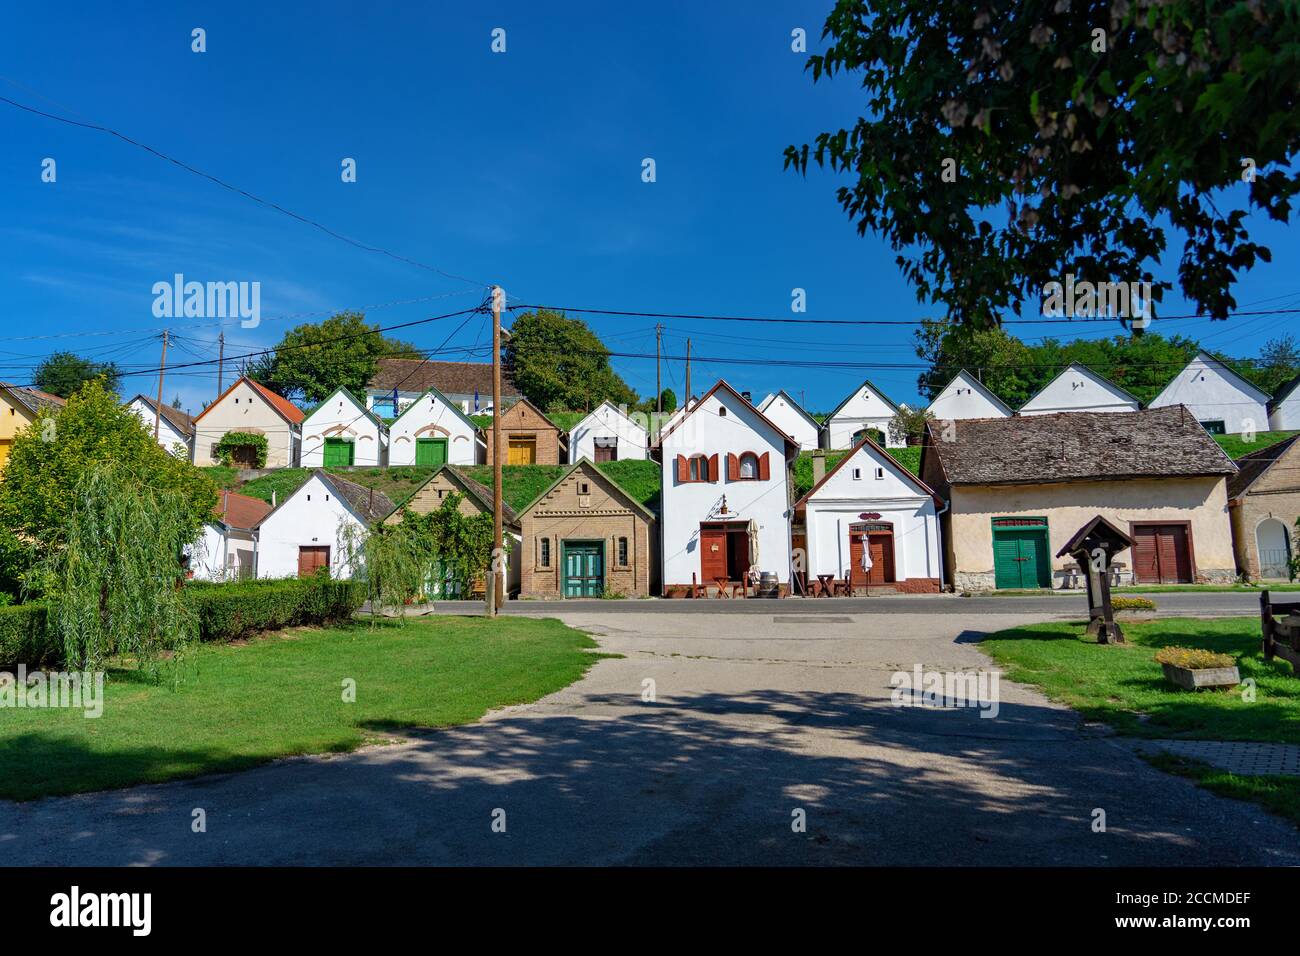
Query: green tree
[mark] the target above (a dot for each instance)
(1004, 144)
(559, 364)
(50, 459)
(1001, 361)
(668, 399)
(1278, 363)
(63, 373)
(312, 360)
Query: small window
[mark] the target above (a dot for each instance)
(748, 465)
(622, 552)
(722, 412)
(1215, 427)
(699, 468)
(543, 552)
(880, 473)
(327, 497)
(309, 497)
(584, 488)
(857, 474)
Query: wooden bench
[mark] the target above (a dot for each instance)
(1280, 624)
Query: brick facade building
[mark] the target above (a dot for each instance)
(528, 437)
(1264, 503)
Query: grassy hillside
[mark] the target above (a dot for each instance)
(520, 484)
(397, 483)
(909, 458)
(1235, 447)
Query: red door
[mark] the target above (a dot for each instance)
(1161, 554)
(311, 558)
(882, 558)
(713, 554)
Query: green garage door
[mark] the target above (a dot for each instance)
(338, 453)
(1020, 557)
(430, 452)
(584, 568)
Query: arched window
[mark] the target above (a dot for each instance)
(749, 465)
(699, 468)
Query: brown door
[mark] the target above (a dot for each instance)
(311, 558)
(882, 558)
(606, 453)
(244, 456)
(713, 554)
(1161, 554)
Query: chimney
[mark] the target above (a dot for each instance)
(819, 465)
(747, 396)
(272, 497)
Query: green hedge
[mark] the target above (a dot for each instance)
(226, 612)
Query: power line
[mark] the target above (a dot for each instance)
(98, 127)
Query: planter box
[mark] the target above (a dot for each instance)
(1189, 679)
(1133, 615)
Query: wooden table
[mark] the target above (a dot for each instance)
(723, 585)
(827, 585)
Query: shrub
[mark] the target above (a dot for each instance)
(24, 638)
(1132, 604)
(1193, 658)
(224, 449)
(228, 612)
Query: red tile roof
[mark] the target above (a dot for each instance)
(287, 409)
(240, 511)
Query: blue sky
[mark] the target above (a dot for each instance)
(522, 168)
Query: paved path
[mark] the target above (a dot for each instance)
(1235, 756)
(755, 720)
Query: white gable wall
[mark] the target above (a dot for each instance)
(792, 421)
(339, 416)
(1213, 394)
(606, 421)
(168, 436)
(866, 409)
(1078, 390)
(431, 417)
(222, 554)
(964, 397)
(686, 504)
(842, 500)
(314, 515)
(1286, 415)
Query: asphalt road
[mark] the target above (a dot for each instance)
(1046, 607)
(766, 741)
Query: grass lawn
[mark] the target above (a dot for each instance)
(398, 482)
(909, 458)
(242, 705)
(1123, 686)
(1236, 447)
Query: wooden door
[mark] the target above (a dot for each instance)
(522, 451)
(338, 453)
(882, 558)
(713, 554)
(1162, 554)
(6, 446)
(311, 558)
(430, 452)
(1020, 559)
(243, 456)
(606, 453)
(584, 568)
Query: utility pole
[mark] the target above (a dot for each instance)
(221, 359)
(687, 397)
(494, 588)
(659, 392)
(157, 411)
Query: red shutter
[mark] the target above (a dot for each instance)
(764, 469)
(713, 467)
(683, 468)
(733, 467)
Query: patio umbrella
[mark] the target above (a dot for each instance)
(866, 560)
(752, 530)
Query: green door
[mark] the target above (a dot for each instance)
(1020, 559)
(338, 452)
(430, 452)
(584, 568)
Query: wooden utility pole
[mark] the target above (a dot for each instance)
(659, 392)
(221, 359)
(494, 587)
(687, 397)
(162, 368)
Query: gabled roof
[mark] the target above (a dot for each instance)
(1096, 376)
(978, 386)
(1252, 467)
(32, 399)
(791, 446)
(1223, 368)
(591, 470)
(420, 375)
(890, 459)
(355, 401)
(1076, 446)
(612, 407)
(241, 512)
(178, 419)
(545, 417)
(366, 503)
(792, 403)
(286, 409)
(442, 398)
(865, 383)
(1098, 524)
(474, 489)
(1283, 393)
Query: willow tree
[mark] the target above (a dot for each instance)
(113, 575)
